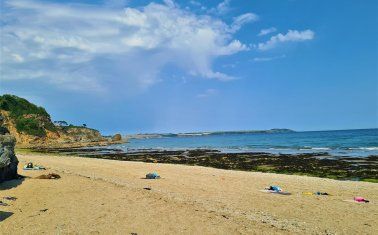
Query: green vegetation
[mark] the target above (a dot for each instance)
(30, 126)
(370, 180)
(18, 106)
(265, 168)
(29, 118)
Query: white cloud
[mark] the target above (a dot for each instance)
(290, 36)
(208, 93)
(267, 31)
(82, 46)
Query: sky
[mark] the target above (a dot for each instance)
(181, 66)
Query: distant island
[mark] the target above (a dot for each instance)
(208, 133)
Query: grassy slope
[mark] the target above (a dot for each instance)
(29, 118)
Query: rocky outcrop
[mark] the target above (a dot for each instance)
(32, 127)
(117, 137)
(8, 159)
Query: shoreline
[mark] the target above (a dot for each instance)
(312, 164)
(104, 196)
(69, 145)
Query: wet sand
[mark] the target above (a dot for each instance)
(99, 196)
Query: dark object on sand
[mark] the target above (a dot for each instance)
(43, 210)
(321, 193)
(48, 176)
(10, 198)
(5, 215)
(147, 188)
(3, 203)
(153, 175)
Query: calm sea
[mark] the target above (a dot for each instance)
(356, 143)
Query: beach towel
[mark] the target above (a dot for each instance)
(275, 192)
(28, 167)
(357, 200)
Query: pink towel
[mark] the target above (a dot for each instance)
(360, 199)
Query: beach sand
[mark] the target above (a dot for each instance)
(97, 196)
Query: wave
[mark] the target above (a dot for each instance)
(364, 148)
(316, 148)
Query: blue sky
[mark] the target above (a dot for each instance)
(179, 66)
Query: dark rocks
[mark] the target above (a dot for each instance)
(8, 159)
(314, 164)
(3, 130)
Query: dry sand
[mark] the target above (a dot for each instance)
(96, 196)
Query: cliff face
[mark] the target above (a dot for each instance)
(8, 160)
(32, 127)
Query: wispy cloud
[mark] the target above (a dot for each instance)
(195, 3)
(264, 59)
(290, 36)
(267, 31)
(208, 93)
(81, 46)
(239, 21)
(222, 8)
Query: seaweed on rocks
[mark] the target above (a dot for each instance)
(312, 164)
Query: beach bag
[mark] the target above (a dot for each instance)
(275, 188)
(153, 175)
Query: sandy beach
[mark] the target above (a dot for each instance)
(98, 196)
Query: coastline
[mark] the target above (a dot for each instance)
(188, 200)
(69, 145)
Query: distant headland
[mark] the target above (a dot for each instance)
(208, 133)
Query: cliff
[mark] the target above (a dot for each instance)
(31, 125)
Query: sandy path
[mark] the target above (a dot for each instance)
(96, 196)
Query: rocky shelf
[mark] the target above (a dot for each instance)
(312, 164)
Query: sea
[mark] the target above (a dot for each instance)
(346, 143)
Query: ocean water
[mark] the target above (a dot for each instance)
(354, 143)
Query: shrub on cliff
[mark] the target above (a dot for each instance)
(30, 126)
(18, 106)
(29, 118)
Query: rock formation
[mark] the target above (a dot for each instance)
(32, 127)
(8, 159)
(117, 137)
